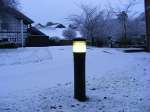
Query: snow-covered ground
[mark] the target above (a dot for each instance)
(41, 80)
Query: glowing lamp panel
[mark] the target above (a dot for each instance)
(79, 46)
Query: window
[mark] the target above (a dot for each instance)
(4, 26)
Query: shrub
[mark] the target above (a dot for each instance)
(55, 39)
(69, 33)
(8, 45)
(37, 41)
(100, 42)
(124, 42)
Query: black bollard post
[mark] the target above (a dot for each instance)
(79, 50)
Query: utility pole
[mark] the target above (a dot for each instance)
(147, 15)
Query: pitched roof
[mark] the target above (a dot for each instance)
(35, 31)
(18, 15)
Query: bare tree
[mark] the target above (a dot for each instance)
(96, 24)
(122, 15)
(123, 19)
(137, 26)
(91, 23)
(4, 4)
(69, 33)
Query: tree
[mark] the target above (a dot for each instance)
(122, 15)
(4, 4)
(96, 25)
(91, 22)
(69, 33)
(136, 26)
(123, 19)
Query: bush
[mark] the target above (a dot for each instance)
(54, 39)
(100, 42)
(69, 33)
(124, 42)
(8, 45)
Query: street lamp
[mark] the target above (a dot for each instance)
(79, 51)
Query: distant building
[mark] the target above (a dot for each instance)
(60, 26)
(39, 26)
(55, 30)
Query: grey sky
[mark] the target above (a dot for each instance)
(56, 10)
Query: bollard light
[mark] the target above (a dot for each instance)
(79, 45)
(79, 52)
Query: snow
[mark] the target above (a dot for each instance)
(41, 80)
(56, 32)
(53, 32)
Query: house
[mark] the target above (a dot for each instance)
(15, 27)
(55, 30)
(60, 26)
(36, 38)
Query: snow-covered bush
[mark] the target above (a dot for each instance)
(69, 33)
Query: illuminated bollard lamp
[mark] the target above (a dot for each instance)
(79, 52)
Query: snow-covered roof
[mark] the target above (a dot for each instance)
(56, 32)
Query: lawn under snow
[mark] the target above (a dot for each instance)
(41, 80)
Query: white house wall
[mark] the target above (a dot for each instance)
(13, 34)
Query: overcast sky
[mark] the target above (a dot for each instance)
(42, 11)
